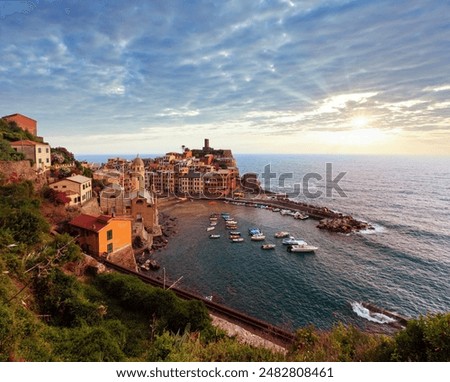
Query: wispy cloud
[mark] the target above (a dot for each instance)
(279, 68)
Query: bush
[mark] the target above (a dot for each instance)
(173, 313)
(424, 339)
(60, 296)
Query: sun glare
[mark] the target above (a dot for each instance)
(359, 122)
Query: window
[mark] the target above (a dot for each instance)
(109, 248)
(46, 150)
(39, 150)
(109, 235)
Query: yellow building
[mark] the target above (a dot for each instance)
(78, 188)
(101, 235)
(38, 152)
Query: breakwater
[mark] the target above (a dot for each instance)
(329, 219)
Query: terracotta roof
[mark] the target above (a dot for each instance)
(17, 114)
(91, 223)
(25, 142)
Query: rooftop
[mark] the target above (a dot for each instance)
(91, 223)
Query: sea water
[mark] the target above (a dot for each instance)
(403, 265)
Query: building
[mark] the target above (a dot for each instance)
(190, 183)
(24, 122)
(38, 152)
(78, 188)
(101, 235)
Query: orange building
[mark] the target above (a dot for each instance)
(24, 122)
(101, 235)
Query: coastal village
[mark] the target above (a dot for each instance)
(116, 208)
(111, 211)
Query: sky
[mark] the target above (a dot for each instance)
(278, 76)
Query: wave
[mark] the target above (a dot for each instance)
(363, 312)
(377, 230)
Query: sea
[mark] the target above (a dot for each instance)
(403, 265)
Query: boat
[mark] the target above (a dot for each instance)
(281, 234)
(300, 216)
(291, 240)
(213, 223)
(259, 237)
(210, 228)
(237, 240)
(254, 231)
(235, 233)
(214, 236)
(303, 248)
(268, 246)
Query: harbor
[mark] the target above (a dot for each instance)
(230, 273)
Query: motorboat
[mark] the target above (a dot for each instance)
(268, 246)
(259, 237)
(300, 216)
(235, 233)
(237, 240)
(254, 231)
(281, 234)
(291, 240)
(210, 228)
(303, 248)
(214, 236)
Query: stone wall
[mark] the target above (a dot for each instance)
(20, 171)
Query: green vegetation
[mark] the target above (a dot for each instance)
(10, 132)
(48, 314)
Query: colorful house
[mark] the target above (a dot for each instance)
(78, 188)
(101, 235)
(38, 152)
(24, 122)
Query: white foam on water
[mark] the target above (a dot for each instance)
(363, 312)
(378, 229)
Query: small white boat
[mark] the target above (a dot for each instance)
(235, 233)
(238, 240)
(259, 237)
(291, 240)
(214, 236)
(268, 246)
(210, 228)
(303, 248)
(281, 234)
(300, 216)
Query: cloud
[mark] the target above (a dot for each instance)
(281, 68)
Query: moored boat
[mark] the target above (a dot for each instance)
(281, 234)
(291, 240)
(268, 246)
(214, 236)
(254, 231)
(302, 248)
(259, 237)
(237, 240)
(300, 216)
(210, 228)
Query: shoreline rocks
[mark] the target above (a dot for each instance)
(344, 224)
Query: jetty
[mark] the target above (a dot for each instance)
(329, 219)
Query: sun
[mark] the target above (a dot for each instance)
(359, 122)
